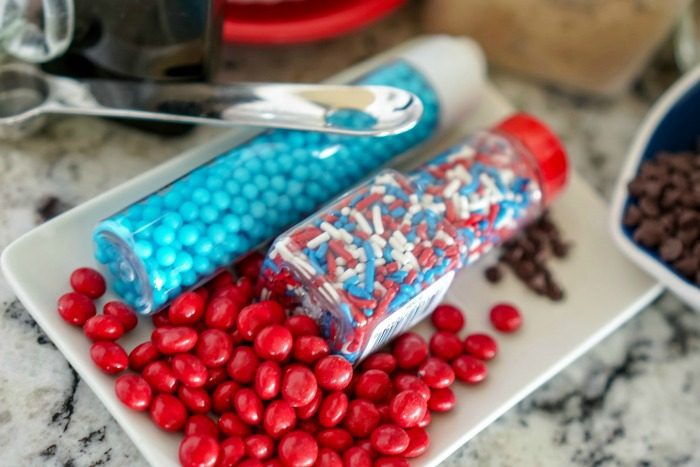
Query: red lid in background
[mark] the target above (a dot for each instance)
(298, 21)
(545, 146)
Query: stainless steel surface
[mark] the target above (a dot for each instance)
(26, 93)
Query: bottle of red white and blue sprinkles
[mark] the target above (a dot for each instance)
(380, 258)
(181, 234)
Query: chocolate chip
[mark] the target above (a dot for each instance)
(633, 216)
(670, 198)
(493, 274)
(649, 233)
(688, 218)
(527, 256)
(689, 235)
(671, 249)
(635, 188)
(687, 266)
(649, 206)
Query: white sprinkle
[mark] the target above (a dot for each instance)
(347, 238)
(304, 266)
(389, 198)
(347, 274)
(362, 256)
(345, 211)
(338, 271)
(450, 189)
(378, 189)
(396, 244)
(377, 240)
(426, 243)
(317, 240)
(362, 222)
(341, 262)
(410, 246)
(380, 261)
(399, 235)
(379, 287)
(397, 255)
(377, 219)
(360, 267)
(332, 231)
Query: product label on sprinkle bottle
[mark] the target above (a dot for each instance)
(409, 314)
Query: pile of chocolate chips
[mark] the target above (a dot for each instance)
(664, 212)
(528, 255)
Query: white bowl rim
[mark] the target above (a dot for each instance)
(688, 292)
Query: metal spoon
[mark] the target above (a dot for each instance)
(26, 94)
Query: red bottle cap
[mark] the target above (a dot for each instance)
(545, 146)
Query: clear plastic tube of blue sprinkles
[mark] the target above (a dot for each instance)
(379, 258)
(180, 235)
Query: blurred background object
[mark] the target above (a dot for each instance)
(688, 38)
(162, 40)
(594, 46)
(293, 21)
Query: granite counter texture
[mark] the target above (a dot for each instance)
(634, 400)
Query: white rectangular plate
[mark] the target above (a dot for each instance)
(603, 290)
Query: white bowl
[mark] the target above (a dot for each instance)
(673, 124)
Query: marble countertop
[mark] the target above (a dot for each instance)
(633, 400)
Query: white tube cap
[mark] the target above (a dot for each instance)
(456, 68)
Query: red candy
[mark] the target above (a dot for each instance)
(436, 373)
(248, 406)
(268, 379)
(298, 449)
(259, 446)
(383, 361)
(362, 418)
(470, 369)
(214, 347)
(389, 439)
(333, 373)
(168, 412)
(333, 409)
(188, 308)
(309, 410)
(418, 443)
(122, 312)
(222, 396)
(328, 458)
(76, 308)
(160, 376)
(334, 438)
(142, 355)
(196, 400)
(391, 462)
(408, 408)
(133, 391)
(255, 317)
(201, 425)
(373, 385)
(302, 325)
(441, 400)
(217, 375)
(274, 343)
(310, 349)
(103, 328)
(299, 385)
(279, 418)
(221, 313)
(232, 451)
(174, 340)
(410, 350)
(404, 382)
(199, 451)
(505, 317)
(88, 282)
(232, 425)
(243, 364)
(447, 318)
(446, 345)
(481, 346)
(189, 370)
(109, 357)
(357, 457)
(160, 319)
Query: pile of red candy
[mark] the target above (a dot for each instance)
(250, 386)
